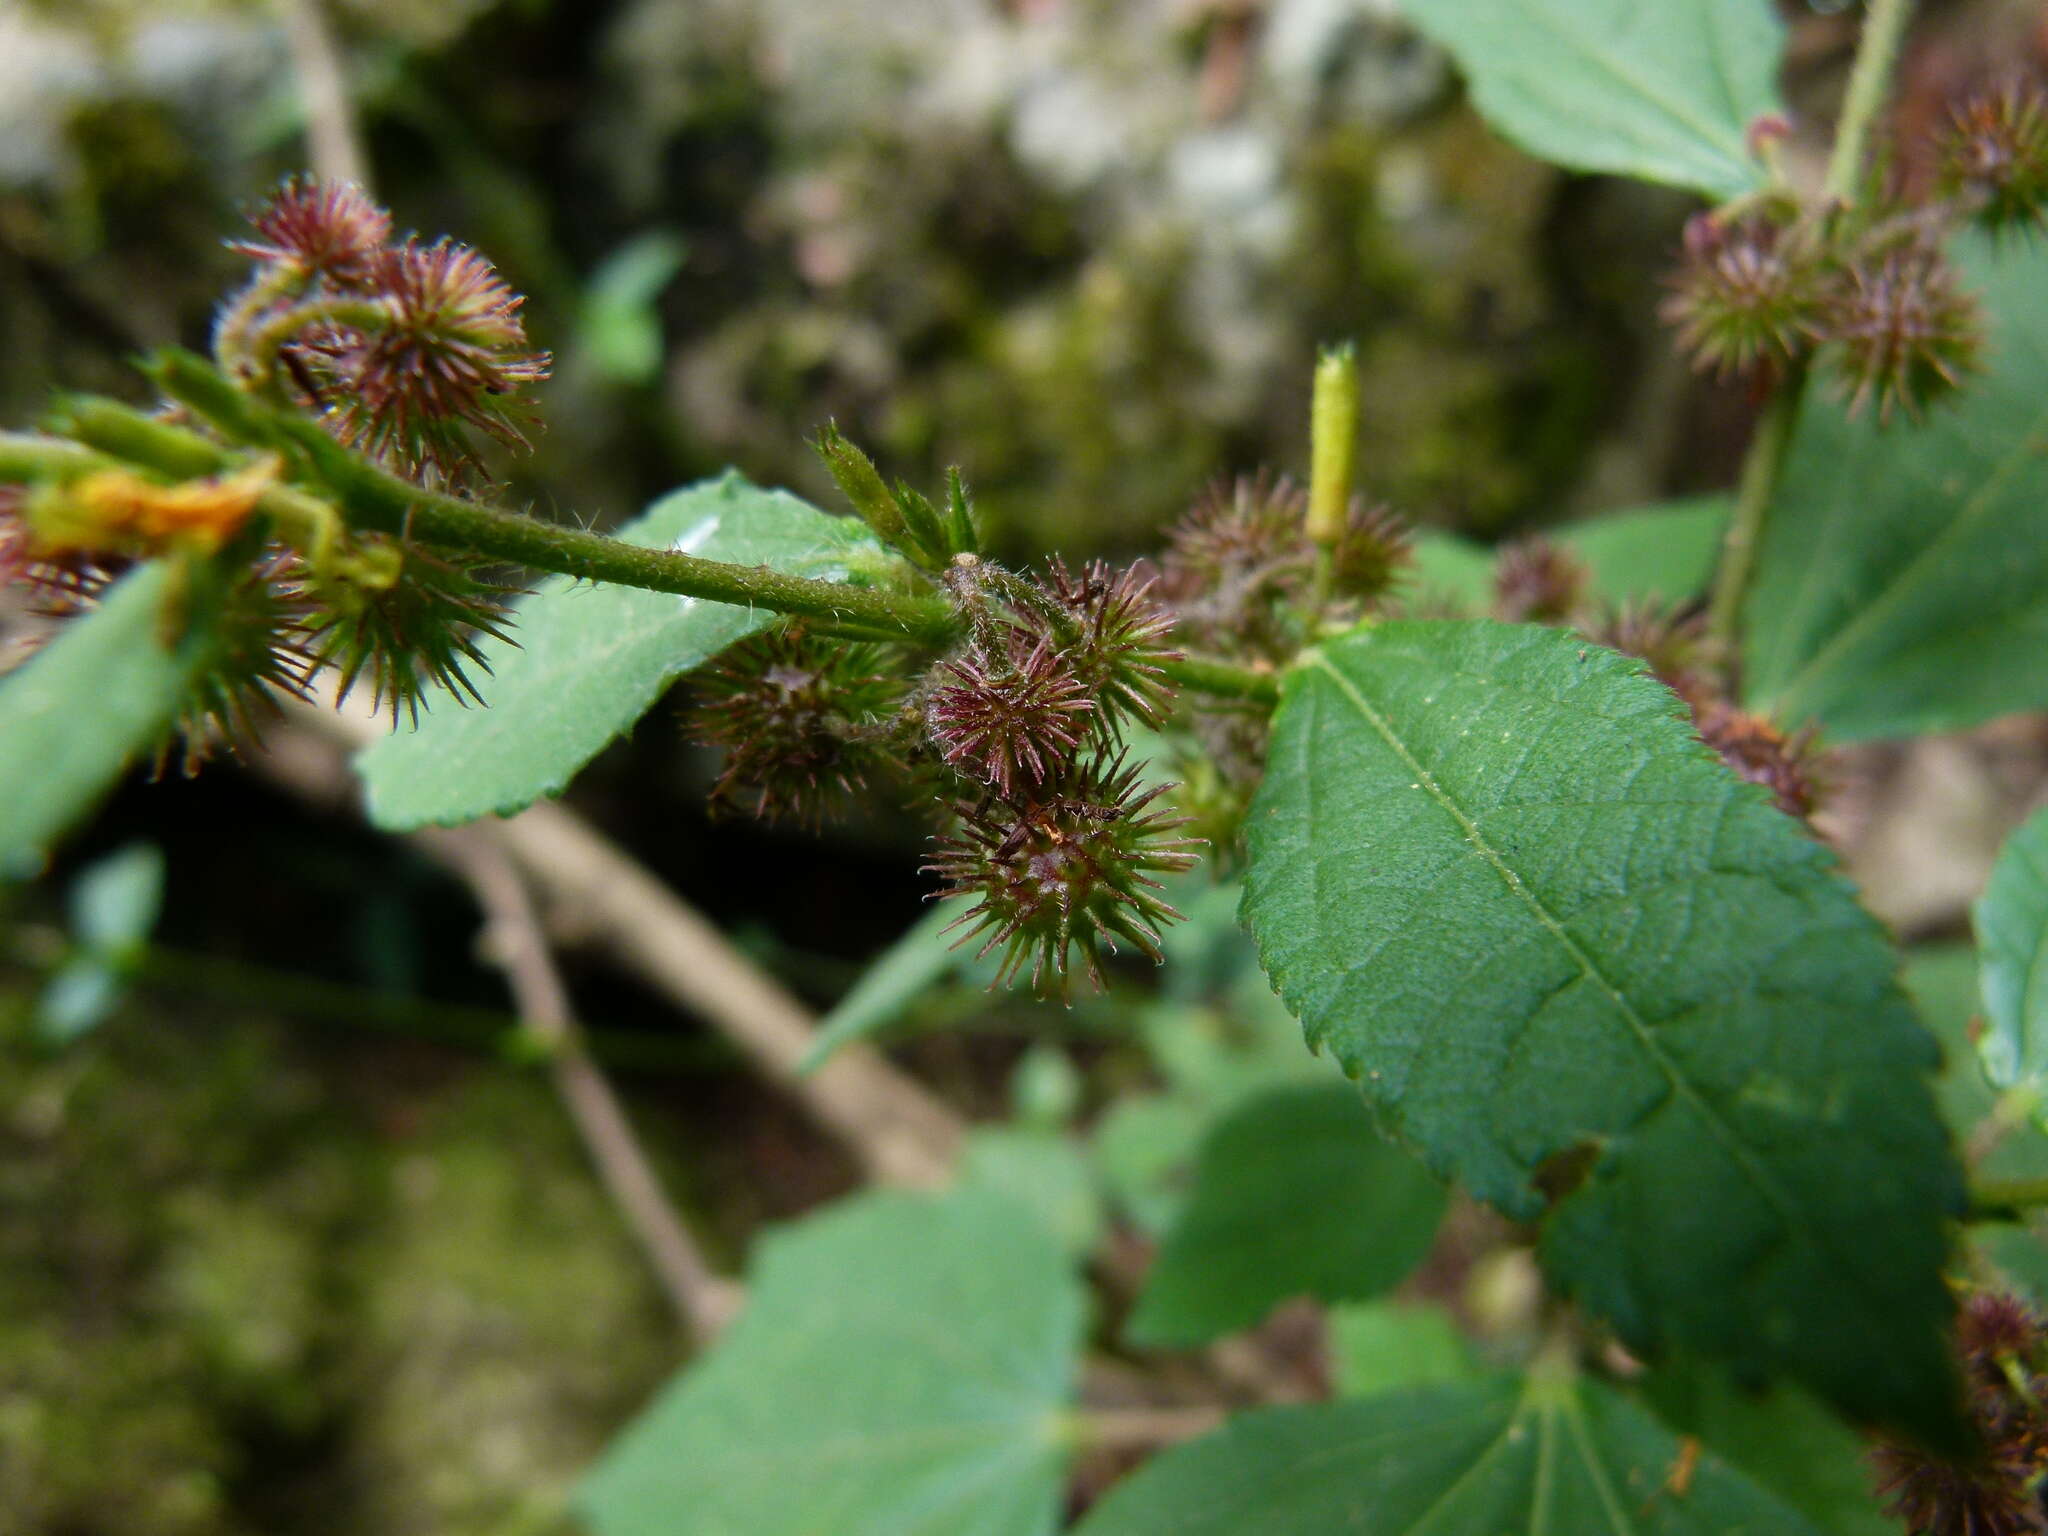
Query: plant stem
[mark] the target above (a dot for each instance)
(1222, 679)
(2014, 1108)
(331, 131)
(381, 502)
(386, 503)
(271, 285)
(261, 344)
(1762, 468)
(223, 980)
(1877, 54)
(897, 1129)
(398, 508)
(1098, 1429)
(2002, 1199)
(26, 457)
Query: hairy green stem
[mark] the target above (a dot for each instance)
(1762, 467)
(27, 457)
(1222, 679)
(381, 502)
(272, 284)
(266, 340)
(1870, 82)
(1877, 55)
(433, 518)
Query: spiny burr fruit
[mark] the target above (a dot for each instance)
(1746, 300)
(1237, 564)
(803, 721)
(1994, 156)
(1904, 333)
(1115, 649)
(398, 347)
(1011, 714)
(1067, 867)
(1536, 582)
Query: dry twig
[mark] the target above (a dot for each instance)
(704, 1301)
(332, 139)
(900, 1132)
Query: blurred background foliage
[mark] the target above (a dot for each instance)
(1081, 249)
(266, 1268)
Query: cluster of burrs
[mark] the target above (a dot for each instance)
(394, 348)
(1017, 733)
(1774, 282)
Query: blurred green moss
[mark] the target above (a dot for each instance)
(239, 1294)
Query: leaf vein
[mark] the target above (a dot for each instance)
(1617, 1516)
(1759, 1176)
(1914, 572)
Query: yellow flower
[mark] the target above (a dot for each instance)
(117, 511)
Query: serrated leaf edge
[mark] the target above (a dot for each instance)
(1646, 1037)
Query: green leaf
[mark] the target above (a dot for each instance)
(1218, 1053)
(2012, 929)
(1450, 567)
(106, 689)
(904, 972)
(1384, 1346)
(1042, 1171)
(77, 1000)
(1295, 1194)
(901, 1369)
(1665, 92)
(1570, 1458)
(1577, 962)
(1665, 551)
(1144, 1148)
(1213, 1058)
(1782, 1439)
(591, 660)
(1902, 579)
(1046, 1088)
(2003, 1131)
(1942, 980)
(114, 904)
(620, 333)
(2017, 1254)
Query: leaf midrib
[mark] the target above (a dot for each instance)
(1547, 1413)
(1591, 49)
(1442, 1501)
(1760, 1177)
(1574, 1414)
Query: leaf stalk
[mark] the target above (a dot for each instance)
(381, 502)
(1877, 55)
(2006, 1199)
(1870, 79)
